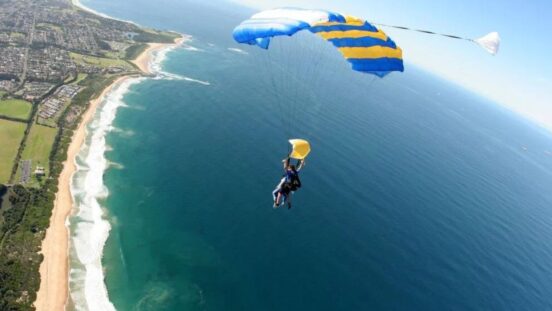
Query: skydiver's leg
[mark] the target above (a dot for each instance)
(279, 198)
(288, 200)
(275, 194)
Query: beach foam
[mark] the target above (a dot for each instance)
(89, 228)
(239, 51)
(156, 67)
(172, 76)
(192, 48)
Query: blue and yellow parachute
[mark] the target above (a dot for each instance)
(367, 48)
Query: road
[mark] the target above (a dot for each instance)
(26, 60)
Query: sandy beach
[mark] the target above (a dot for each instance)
(144, 60)
(53, 291)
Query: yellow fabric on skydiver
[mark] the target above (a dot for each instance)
(301, 149)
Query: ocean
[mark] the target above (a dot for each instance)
(418, 195)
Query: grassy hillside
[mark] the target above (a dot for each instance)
(11, 134)
(38, 148)
(15, 108)
(100, 61)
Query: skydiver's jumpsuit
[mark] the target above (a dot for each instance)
(280, 189)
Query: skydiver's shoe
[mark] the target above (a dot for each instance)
(275, 205)
(289, 205)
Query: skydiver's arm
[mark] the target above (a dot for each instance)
(286, 162)
(300, 164)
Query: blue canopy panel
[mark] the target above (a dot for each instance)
(261, 27)
(259, 32)
(379, 66)
(366, 47)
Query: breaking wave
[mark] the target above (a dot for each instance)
(239, 51)
(89, 228)
(156, 67)
(192, 48)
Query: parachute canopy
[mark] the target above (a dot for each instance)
(367, 48)
(301, 149)
(490, 42)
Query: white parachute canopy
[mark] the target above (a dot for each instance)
(490, 42)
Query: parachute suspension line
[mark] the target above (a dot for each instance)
(284, 85)
(423, 31)
(298, 66)
(308, 74)
(374, 78)
(490, 42)
(289, 79)
(318, 53)
(264, 26)
(268, 64)
(298, 84)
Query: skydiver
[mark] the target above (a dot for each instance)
(289, 183)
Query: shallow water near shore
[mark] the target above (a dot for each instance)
(418, 195)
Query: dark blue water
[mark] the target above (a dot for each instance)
(418, 195)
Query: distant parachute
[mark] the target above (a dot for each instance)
(489, 42)
(367, 48)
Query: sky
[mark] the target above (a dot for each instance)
(519, 76)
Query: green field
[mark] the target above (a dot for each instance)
(80, 77)
(15, 108)
(11, 134)
(100, 61)
(38, 147)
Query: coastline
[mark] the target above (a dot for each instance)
(53, 293)
(145, 59)
(81, 6)
(54, 290)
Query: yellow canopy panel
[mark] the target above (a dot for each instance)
(301, 149)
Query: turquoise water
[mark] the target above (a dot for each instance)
(418, 195)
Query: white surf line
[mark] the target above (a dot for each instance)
(239, 51)
(90, 229)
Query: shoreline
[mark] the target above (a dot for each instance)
(81, 6)
(53, 293)
(145, 59)
(54, 269)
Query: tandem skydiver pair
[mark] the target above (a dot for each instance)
(290, 181)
